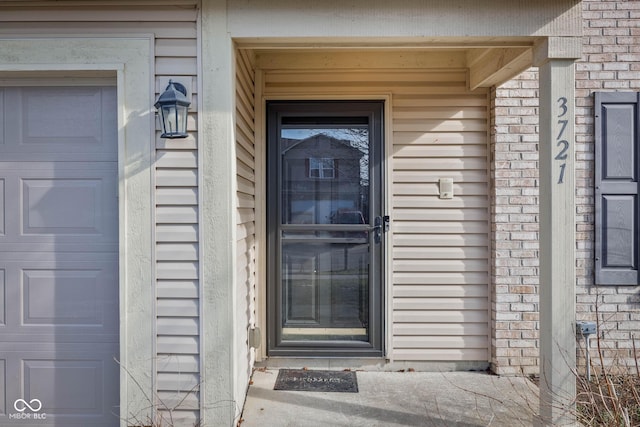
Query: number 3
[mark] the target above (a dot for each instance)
(563, 104)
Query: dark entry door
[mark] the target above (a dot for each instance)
(326, 228)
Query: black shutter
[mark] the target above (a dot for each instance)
(617, 125)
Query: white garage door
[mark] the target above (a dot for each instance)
(58, 256)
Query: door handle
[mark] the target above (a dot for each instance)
(380, 225)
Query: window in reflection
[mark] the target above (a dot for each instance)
(325, 175)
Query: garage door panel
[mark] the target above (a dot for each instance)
(60, 115)
(50, 245)
(3, 386)
(66, 297)
(63, 204)
(10, 215)
(59, 336)
(3, 319)
(11, 298)
(52, 378)
(62, 297)
(69, 396)
(46, 259)
(60, 120)
(2, 206)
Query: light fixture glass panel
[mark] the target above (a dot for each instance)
(169, 114)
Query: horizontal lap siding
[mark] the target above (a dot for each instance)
(176, 195)
(440, 248)
(359, 82)
(245, 216)
(177, 257)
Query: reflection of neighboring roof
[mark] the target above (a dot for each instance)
(297, 142)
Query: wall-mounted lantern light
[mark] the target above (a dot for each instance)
(173, 105)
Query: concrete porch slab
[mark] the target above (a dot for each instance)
(396, 399)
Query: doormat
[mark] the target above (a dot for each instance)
(307, 380)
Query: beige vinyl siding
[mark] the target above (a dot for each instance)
(176, 195)
(439, 249)
(177, 257)
(360, 82)
(245, 220)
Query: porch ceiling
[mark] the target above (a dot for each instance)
(489, 62)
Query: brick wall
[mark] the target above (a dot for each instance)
(610, 62)
(514, 171)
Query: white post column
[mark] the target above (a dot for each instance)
(555, 59)
(216, 189)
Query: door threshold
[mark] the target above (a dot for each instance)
(379, 364)
(330, 363)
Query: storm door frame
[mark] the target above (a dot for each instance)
(374, 110)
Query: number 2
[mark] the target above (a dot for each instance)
(562, 155)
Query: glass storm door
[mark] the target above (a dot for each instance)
(325, 228)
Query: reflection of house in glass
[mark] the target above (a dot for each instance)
(325, 179)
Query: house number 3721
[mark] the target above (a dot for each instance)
(562, 144)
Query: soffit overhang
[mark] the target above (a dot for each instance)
(495, 39)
